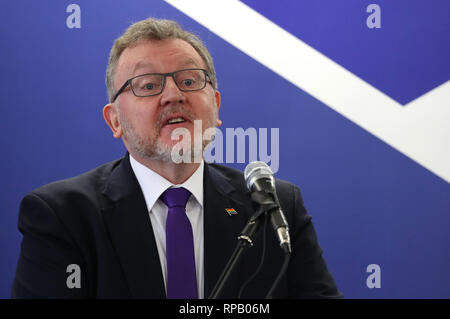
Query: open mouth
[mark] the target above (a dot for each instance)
(176, 120)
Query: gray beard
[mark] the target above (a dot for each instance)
(154, 149)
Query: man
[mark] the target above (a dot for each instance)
(111, 232)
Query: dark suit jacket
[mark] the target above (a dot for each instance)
(99, 221)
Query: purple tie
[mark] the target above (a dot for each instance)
(181, 275)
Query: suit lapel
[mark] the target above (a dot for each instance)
(131, 233)
(222, 229)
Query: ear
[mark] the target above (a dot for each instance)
(218, 100)
(112, 119)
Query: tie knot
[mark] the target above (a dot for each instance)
(176, 197)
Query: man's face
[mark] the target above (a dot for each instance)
(144, 123)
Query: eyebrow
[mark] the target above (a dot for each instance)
(144, 64)
(141, 65)
(189, 62)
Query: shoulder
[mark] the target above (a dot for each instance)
(66, 209)
(87, 185)
(286, 191)
(289, 194)
(227, 172)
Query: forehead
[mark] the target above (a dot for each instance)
(158, 56)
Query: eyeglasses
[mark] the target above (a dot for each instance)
(153, 83)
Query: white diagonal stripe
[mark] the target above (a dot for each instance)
(420, 130)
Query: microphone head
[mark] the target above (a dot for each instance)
(255, 171)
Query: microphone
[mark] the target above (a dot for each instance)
(259, 178)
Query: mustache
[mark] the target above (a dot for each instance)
(174, 109)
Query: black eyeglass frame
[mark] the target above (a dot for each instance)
(165, 75)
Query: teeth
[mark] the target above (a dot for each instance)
(175, 120)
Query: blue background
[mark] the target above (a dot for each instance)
(370, 203)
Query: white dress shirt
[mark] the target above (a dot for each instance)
(152, 186)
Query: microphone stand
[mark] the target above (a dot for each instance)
(245, 239)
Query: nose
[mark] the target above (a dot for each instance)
(171, 93)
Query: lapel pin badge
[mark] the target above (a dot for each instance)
(231, 211)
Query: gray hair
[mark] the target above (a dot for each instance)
(154, 29)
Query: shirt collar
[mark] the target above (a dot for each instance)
(153, 185)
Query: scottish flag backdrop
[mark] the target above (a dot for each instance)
(357, 91)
